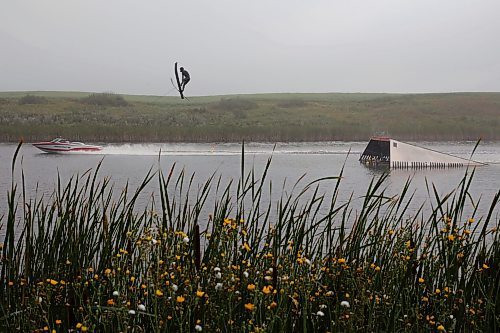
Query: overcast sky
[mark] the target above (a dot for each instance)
(250, 46)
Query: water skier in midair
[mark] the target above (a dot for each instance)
(185, 78)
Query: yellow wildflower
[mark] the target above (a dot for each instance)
(341, 261)
(451, 238)
(247, 247)
(421, 280)
(159, 293)
(180, 299)
(251, 287)
(200, 293)
(267, 289)
(440, 328)
(249, 306)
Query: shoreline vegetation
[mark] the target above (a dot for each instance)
(113, 118)
(78, 261)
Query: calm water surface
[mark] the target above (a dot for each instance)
(290, 161)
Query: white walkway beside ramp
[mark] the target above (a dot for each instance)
(396, 154)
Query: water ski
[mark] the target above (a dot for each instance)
(179, 87)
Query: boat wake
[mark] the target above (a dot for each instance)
(225, 149)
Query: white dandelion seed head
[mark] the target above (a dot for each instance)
(175, 287)
(218, 275)
(154, 241)
(216, 269)
(185, 240)
(322, 306)
(116, 293)
(141, 307)
(320, 313)
(345, 304)
(218, 286)
(198, 328)
(245, 274)
(268, 278)
(131, 312)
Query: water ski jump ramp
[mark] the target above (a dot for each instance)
(385, 151)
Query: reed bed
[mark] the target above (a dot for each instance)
(80, 261)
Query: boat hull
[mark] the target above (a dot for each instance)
(59, 146)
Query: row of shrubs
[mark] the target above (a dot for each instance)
(112, 99)
(101, 99)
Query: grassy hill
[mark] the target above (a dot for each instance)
(261, 117)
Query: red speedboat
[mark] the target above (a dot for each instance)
(60, 145)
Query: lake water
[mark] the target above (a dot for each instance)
(290, 161)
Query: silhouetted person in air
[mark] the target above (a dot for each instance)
(185, 78)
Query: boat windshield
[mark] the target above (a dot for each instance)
(60, 140)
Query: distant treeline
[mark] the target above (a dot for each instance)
(108, 117)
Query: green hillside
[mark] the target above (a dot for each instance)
(261, 117)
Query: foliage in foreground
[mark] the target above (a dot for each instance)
(85, 262)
